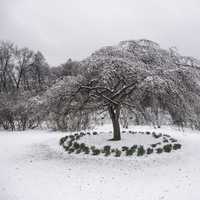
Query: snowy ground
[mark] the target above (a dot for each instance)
(34, 167)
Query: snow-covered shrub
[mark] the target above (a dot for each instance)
(130, 152)
(96, 152)
(176, 146)
(118, 153)
(149, 150)
(72, 145)
(140, 151)
(106, 150)
(167, 148)
(159, 150)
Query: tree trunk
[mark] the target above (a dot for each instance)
(114, 112)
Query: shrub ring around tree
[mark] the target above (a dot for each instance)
(71, 144)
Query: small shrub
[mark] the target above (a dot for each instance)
(69, 144)
(62, 140)
(125, 148)
(148, 133)
(88, 133)
(112, 150)
(86, 150)
(96, 152)
(107, 153)
(130, 132)
(149, 151)
(176, 146)
(141, 132)
(159, 150)
(66, 148)
(106, 148)
(140, 151)
(78, 151)
(71, 136)
(82, 146)
(165, 140)
(156, 135)
(118, 153)
(82, 134)
(129, 152)
(92, 148)
(134, 147)
(95, 133)
(154, 145)
(167, 135)
(173, 140)
(167, 148)
(71, 150)
(77, 137)
(76, 145)
(123, 131)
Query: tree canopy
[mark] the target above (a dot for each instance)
(138, 75)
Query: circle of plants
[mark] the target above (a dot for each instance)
(72, 145)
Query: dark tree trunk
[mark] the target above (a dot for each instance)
(114, 112)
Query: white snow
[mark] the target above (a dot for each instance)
(34, 167)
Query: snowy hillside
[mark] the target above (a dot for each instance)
(33, 166)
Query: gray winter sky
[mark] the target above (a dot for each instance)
(75, 28)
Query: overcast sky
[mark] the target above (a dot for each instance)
(63, 29)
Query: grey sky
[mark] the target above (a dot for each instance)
(75, 28)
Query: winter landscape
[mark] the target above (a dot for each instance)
(119, 118)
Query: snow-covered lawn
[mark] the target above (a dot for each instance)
(34, 167)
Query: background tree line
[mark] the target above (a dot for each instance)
(25, 74)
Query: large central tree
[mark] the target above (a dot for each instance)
(136, 75)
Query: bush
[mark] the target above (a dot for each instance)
(140, 151)
(129, 152)
(96, 152)
(165, 140)
(71, 150)
(123, 132)
(78, 151)
(118, 153)
(167, 148)
(148, 133)
(130, 132)
(92, 148)
(76, 145)
(159, 150)
(140, 132)
(125, 148)
(176, 146)
(69, 144)
(82, 145)
(149, 151)
(167, 135)
(156, 144)
(82, 134)
(95, 133)
(77, 137)
(86, 150)
(156, 135)
(62, 140)
(134, 147)
(66, 148)
(173, 140)
(106, 148)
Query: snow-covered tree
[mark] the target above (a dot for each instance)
(137, 75)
